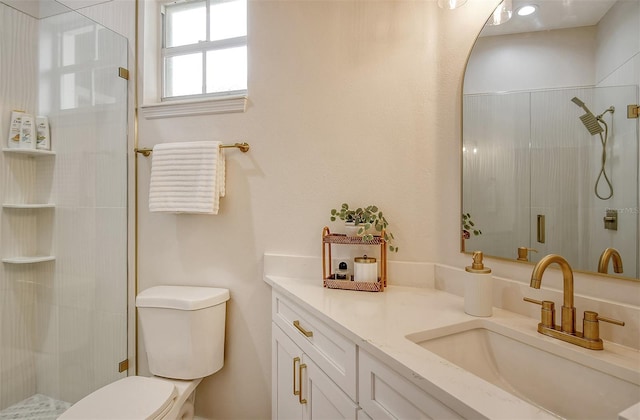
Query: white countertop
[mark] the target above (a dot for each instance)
(379, 322)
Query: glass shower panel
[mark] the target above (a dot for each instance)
(559, 156)
(572, 159)
(496, 171)
(63, 326)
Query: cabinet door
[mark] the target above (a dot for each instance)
(331, 351)
(385, 394)
(325, 400)
(286, 358)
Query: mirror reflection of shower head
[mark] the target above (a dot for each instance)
(588, 119)
(594, 126)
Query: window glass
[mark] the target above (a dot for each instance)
(227, 70)
(204, 57)
(183, 75)
(227, 19)
(186, 23)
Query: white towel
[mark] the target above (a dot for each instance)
(187, 177)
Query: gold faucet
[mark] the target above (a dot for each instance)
(607, 254)
(567, 330)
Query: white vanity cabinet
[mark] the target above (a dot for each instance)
(317, 373)
(301, 390)
(332, 352)
(313, 367)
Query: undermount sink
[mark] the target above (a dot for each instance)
(567, 382)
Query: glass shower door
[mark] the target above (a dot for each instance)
(63, 320)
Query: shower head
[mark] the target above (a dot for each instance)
(578, 102)
(591, 123)
(588, 119)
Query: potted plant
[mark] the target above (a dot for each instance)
(469, 227)
(365, 218)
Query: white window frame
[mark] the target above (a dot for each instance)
(202, 47)
(152, 104)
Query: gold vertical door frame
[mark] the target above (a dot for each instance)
(135, 165)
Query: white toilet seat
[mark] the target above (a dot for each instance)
(133, 397)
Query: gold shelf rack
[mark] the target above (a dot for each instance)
(329, 239)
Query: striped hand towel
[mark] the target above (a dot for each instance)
(187, 177)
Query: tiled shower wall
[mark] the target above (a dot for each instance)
(18, 287)
(64, 322)
(529, 150)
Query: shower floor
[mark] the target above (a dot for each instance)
(36, 407)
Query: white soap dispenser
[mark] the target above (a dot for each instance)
(478, 293)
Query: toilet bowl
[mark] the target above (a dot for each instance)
(183, 331)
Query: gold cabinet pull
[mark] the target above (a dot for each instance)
(302, 330)
(302, 400)
(295, 360)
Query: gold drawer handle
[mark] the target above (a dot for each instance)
(295, 360)
(302, 400)
(302, 330)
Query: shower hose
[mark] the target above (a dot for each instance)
(603, 172)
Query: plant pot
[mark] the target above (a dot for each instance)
(351, 228)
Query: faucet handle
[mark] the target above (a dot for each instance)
(591, 326)
(523, 252)
(547, 313)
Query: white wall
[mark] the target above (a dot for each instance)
(511, 63)
(348, 101)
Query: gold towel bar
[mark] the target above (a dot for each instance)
(244, 147)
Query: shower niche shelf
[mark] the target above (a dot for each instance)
(30, 221)
(28, 206)
(30, 152)
(28, 260)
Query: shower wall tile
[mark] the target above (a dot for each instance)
(19, 178)
(110, 179)
(76, 371)
(109, 348)
(565, 161)
(17, 361)
(622, 164)
(111, 261)
(496, 167)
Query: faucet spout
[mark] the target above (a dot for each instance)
(608, 254)
(589, 337)
(568, 311)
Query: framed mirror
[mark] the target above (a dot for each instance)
(550, 136)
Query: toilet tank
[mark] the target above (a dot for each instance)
(183, 329)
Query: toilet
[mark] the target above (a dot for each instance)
(183, 332)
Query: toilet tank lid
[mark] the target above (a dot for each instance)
(186, 298)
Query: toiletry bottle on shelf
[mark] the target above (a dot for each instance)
(478, 293)
(43, 134)
(27, 138)
(14, 129)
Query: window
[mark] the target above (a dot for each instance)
(204, 51)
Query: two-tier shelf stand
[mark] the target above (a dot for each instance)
(329, 239)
